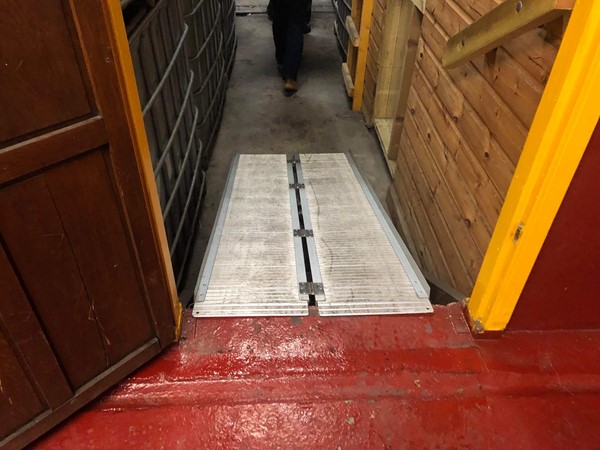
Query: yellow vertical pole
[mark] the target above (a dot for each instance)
(363, 48)
(566, 117)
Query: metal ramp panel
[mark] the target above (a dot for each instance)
(308, 229)
(250, 265)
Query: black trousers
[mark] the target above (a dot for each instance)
(289, 19)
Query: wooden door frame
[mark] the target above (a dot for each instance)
(137, 135)
(562, 127)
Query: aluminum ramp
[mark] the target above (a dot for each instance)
(289, 232)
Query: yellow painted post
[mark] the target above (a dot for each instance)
(566, 117)
(136, 126)
(361, 59)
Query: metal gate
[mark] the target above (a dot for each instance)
(182, 52)
(342, 9)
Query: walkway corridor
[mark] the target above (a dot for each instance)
(377, 382)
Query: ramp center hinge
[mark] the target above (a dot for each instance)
(303, 233)
(296, 185)
(311, 288)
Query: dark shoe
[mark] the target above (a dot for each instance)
(290, 86)
(307, 29)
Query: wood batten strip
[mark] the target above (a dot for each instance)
(501, 24)
(40, 152)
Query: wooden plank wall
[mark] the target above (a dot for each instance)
(461, 139)
(373, 55)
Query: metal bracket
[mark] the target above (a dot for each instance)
(295, 159)
(296, 185)
(311, 288)
(303, 233)
(477, 326)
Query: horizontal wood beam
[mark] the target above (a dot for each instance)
(507, 20)
(348, 80)
(352, 32)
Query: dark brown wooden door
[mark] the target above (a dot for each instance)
(86, 289)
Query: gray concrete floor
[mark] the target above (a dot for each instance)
(258, 118)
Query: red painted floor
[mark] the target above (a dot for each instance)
(352, 383)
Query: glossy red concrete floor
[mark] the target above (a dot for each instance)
(352, 383)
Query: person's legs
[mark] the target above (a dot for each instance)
(280, 38)
(296, 14)
(308, 17)
(288, 25)
(293, 50)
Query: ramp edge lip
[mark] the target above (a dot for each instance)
(215, 237)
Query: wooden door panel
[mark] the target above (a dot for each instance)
(41, 82)
(83, 195)
(43, 257)
(67, 213)
(88, 293)
(22, 327)
(17, 395)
